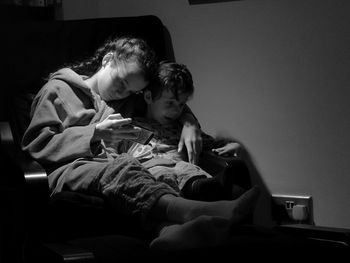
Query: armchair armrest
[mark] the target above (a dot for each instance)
(33, 173)
(36, 187)
(60, 252)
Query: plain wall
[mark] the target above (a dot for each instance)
(274, 74)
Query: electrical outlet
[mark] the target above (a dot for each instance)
(282, 209)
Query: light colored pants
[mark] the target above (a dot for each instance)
(174, 173)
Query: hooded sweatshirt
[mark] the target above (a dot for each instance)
(64, 114)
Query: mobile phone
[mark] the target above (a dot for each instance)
(144, 137)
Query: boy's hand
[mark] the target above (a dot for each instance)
(191, 137)
(230, 149)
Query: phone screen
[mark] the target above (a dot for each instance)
(144, 136)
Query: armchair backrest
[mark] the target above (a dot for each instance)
(30, 50)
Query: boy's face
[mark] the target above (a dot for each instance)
(167, 108)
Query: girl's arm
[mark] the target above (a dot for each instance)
(190, 136)
(60, 129)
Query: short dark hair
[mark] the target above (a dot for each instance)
(174, 77)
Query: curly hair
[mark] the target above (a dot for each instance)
(125, 49)
(174, 77)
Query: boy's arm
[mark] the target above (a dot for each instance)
(221, 146)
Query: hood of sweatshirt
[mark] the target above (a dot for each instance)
(72, 79)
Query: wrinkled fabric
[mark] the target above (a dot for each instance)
(161, 157)
(175, 174)
(123, 182)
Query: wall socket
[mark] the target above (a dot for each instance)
(282, 209)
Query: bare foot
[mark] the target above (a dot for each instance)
(203, 231)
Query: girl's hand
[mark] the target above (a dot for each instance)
(192, 139)
(230, 149)
(115, 128)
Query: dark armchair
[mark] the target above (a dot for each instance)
(71, 227)
(52, 224)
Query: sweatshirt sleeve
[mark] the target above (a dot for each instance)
(188, 111)
(60, 129)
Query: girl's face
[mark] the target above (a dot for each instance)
(118, 80)
(167, 108)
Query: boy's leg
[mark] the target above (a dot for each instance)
(227, 185)
(195, 183)
(165, 174)
(191, 181)
(202, 188)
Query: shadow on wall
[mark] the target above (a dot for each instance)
(262, 215)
